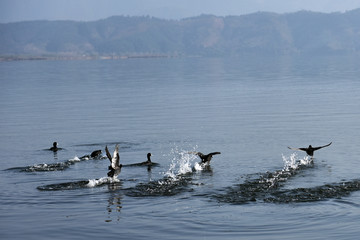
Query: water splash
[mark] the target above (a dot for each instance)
(98, 182)
(293, 162)
(198, 166)
(175, 180)
(181, 163)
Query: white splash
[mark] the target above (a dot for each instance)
(293, 162)
(198, 166)
(75, 159)
(181, 163)
(41, 165)
(290, 162)
(104, 180)
(307, 160)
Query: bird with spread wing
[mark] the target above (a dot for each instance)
(310, 150)
(205, 158)
(115, 167)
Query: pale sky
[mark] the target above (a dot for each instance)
(90, 10)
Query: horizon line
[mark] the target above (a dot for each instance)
(184, 18)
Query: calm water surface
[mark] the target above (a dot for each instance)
(249, 109)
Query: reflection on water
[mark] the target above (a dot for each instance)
(114, 203)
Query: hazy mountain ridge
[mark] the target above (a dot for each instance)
(206, 35)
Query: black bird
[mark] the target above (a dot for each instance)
(54, 148)
(115, 167)
(94, 155)
(310, 150)
(148, 162)
(205, 158)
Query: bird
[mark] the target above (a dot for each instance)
(205, 158)
(310, 150)
(148, 162)
(115, 167)
(94, 155)
(54, 148)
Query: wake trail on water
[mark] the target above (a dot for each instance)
(175, 180)
(92, 183)
(267, 187)
(49, 167)
(260, 187)
(319, 193)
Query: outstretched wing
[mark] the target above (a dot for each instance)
(214, 153)
(116, 159)
(298, 149)
(108, 154)
(317, 148)
(295, 149)
(196, 153)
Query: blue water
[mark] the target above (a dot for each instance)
(250, 109)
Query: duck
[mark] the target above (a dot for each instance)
(148, 163)
(310, 150)
(205, 158)
(94, 155)
(115, 167)
(54, 148)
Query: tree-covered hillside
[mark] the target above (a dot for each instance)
(207, 35)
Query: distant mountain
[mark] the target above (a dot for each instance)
(206, 35)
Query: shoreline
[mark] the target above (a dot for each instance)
(65, 58)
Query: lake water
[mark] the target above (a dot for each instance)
(249, 109)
